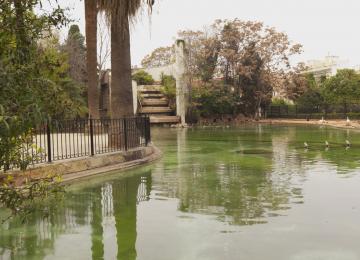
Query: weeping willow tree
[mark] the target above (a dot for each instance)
(120, 14)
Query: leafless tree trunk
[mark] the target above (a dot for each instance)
(103, 44)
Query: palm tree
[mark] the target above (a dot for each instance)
(120, 13)
(91, 57)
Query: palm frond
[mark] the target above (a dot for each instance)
(123, 10)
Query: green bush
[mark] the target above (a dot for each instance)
(279, 102)
(143, 78)
(214, 98)
(353, 115)
(169, 90)
(310, 99)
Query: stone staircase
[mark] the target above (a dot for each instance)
(155, 104)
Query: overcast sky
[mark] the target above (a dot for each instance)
(322, 26)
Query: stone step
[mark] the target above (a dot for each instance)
(150, 92)
(153, 95)
(148, 89)
(164, 119)
(154, 102)
(155, 110)
(140, 87)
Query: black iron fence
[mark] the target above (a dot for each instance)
(294, 111)
(60, 140)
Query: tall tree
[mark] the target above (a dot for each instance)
(254, 59)
(342, 89)
(120, 13)
(28, 87)
(91, 57)
(75, 49)
(160, 57)
(202, 49)
(22, 40)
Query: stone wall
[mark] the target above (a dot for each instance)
(105, 93)
(84, 167)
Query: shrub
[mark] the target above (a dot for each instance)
(279, 102)
(143, 78)
(169, 90)
(310, 99)
(214, 98)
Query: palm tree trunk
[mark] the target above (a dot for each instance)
(91, 57)
(121, 83)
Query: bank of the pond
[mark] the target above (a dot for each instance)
(333, 123)
(73, 169)
(230, 121)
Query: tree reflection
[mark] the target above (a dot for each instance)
(235, 193)
(233, 179)
(97, 247)
(125, 200)
(87, 208)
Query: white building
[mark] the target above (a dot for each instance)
(325, 67)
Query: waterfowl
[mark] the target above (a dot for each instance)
(327, 144)
(348, 122)
(348, 144)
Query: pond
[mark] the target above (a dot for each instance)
(251, 192)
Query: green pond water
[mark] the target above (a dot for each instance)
(251, 192)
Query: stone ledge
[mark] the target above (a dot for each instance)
(73, 169)
(156, 154)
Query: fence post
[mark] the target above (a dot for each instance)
(92, 150)
(48, 135)
(125, 134)
(287, 111)
(149, 129)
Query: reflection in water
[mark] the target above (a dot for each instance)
(243, 177)
(93, 207)
(125, 199)
(97, 246)
(238, 188)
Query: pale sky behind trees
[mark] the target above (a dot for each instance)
(322, 26)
